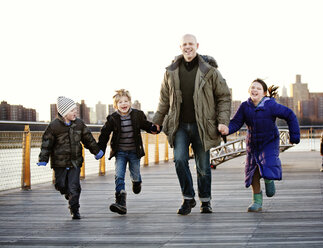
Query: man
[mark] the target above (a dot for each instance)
(194, 102)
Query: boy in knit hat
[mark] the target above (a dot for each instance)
(61, 142)
(126, 145)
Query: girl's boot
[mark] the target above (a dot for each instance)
(256, 205)
(270, 188)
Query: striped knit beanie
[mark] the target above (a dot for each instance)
(65, 105)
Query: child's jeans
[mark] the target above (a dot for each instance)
(122, 158)
(68, 183)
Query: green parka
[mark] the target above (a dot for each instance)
(62, 143)
(212, 102)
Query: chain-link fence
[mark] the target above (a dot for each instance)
(14, 163)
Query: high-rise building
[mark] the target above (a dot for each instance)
(136, 105)
(299, 92)
(234, 108)
(84, 112)
(284, 92)
(101, 112)
(93, 119)
(53, 111)
(16, 112)
(111, 109)
(150, 115)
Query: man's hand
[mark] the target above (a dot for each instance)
(223, 129)
(157, 129)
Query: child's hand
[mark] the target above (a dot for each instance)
(99, 155)
(223, 129)
(42, 163)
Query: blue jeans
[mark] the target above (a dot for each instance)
(187, 134)
(122, 158)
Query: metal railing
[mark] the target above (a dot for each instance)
(19, 154)
(236, 148)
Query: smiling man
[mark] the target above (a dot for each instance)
(194, 104)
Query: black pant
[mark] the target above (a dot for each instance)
(68, 183)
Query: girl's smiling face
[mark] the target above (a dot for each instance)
(256, 92)
(124, 105)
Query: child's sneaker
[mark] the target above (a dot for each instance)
(136, 187)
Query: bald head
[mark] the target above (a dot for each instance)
(189, 46)
(189, 36)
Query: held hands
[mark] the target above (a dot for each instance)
(155, 129)
(42, 163)
(99, 155)
(223, 129)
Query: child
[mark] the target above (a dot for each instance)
(322, 151)
(126, 145)
(259, 113)
(61, 142)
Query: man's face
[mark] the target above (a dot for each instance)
(189, 47)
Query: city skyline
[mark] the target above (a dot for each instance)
(93, 49)
(307, 105)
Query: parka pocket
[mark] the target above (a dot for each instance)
(166, 124)
(212, 128)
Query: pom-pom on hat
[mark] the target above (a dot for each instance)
(65, 105)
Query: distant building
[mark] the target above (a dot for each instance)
(136, 105)
(84, 112)
(93, 119)
(284, 92)
(53, 111)
(16, 112)
(299, 92)
(234, 107)
(286, 101)
(111, 109)
(150, 115)
(101, 112)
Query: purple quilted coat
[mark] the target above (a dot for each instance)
(263, 136)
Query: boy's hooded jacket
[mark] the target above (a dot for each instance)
(212, 102)
(263, 136)
(113, 124)
(62, 143)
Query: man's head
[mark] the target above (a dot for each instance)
(189, 46)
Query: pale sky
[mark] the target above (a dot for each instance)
(88, 49)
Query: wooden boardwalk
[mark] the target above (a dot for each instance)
(293, 218)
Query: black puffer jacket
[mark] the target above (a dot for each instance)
(62, 143)
(113, 124)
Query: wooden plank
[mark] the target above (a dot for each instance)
(292, 218)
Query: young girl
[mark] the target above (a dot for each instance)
(259, 113)
(126, 145)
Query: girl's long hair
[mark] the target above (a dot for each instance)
(271, 91)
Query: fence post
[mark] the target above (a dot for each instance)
(25, 175)
(166, 150)
(102, 166)
(146, 161)
(157, 150)
(82, 175)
